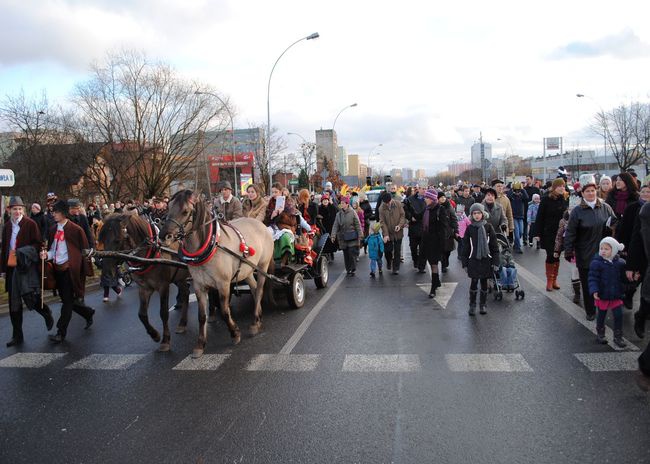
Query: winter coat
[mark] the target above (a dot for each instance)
(533, 208)
(561, 233)
(413, 211)
(28, 235)
(518, 201)
(551, 210)
(82, 221)
(432, 245)
(611, 200)
(375, 246)
(76, 241)
(450, 239)
(309, 212)
(479, 268)
(507, 210)
(347, 221)
(41, 221)
(360, 213)
(639, 251)
(328, 215)
(466, 202)
(230, 209)
(463, 222)
(26, 277)
(586, 229)
(607, 278)
(626, 224)
(367, 211)
(255, 209)
(392, 215)
(497, 219)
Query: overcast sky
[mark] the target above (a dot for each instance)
(428, 77)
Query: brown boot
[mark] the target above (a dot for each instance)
(549, 277)
(556, 271)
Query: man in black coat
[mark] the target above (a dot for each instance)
(414, 210)
(81, 220)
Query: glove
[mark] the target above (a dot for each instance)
(568, 255)
(504, 228)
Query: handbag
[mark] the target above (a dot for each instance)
(11, 259)
(350, 235)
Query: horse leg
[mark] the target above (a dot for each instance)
(213, 305)
(184, 293)
(257, 289)
(164, 317)
(145, 296)
(224, 298)
(202, 300)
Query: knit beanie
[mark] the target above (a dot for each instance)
(345, 200)
(557, 183)
(431, 194)
(477, 207)
(613, 243)
(605, 178)
(535, 196)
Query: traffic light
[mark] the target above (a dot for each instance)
(369, 181)
(388, 179)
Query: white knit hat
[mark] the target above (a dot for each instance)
(616, 247)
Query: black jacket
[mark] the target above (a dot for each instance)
(639, 251)
(549, 214)
(586, 228)
(626, 224)
(433, 239)
(82, 221)
(414, 207)
(479, 268)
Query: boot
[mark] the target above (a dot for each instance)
(46, 312)
(482, 300)
(600, 335)
(549, 277)
(435, 283)
(472, 302)
(639, 324)
(576, 290)
(556, 271)
(17, 325)
(618, 339)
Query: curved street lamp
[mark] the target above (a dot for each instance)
(268, 105)
(342, 110)
(232, 141)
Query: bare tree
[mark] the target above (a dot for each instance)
(642, 129)
(619, 127)
(278, 145)
(149, 118)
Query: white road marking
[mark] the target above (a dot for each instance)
(487, 363)
(284, 362)
(443, 293)
(608, 362)
(302, 328)
(207, 362)
(191, 299)
(568, 306)
(107, 361)
(381, 363)
(30, 360)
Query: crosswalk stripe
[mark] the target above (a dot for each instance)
(30, 360)
(284, 362)
(608, 362)
(207, 362)
(487, 363)
(443, 293)
(106, 361)
(381, 363)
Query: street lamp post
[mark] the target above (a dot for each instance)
(268, 105)
(232, 141)
(342, 110)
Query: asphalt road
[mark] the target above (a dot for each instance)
(373, 371)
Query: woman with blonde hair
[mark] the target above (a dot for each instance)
(307, 208)
(254, 205)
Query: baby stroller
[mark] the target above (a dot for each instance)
(505, 279)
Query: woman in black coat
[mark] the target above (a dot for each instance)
(452, 231)
(551, 210)
(325, 221)
(435, 229)
(624, 193)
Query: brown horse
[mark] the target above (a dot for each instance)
(190, 222)
(127, 232)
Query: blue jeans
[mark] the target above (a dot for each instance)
(519, 230)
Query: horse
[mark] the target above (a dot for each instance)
(191, 222)
(127, 232)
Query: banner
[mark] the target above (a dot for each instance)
(553, 143)
(245, 181)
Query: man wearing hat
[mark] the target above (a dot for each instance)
(393, 221)
(76, 216)
(21, 235)
(496, 216)
(227, 204)
(67, 240)
(502, 199)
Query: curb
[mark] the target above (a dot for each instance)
(4, 308)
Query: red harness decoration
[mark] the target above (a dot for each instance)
(193, 261)
(150, 250)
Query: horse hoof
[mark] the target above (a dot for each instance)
(236, 339)
(164, 347)
(212, 318)
(255, 329)
(181, 329)
(155, 336)
(197, 353)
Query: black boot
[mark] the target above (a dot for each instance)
(600, 335)
(482, 300)
(618, 339)
(17, 325)
(576, 290)
(472, 302)
(639, 324)
(435, 283)
(46, 312)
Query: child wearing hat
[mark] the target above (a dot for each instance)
(480, 255)
(531, 216)
(606, 284)
(375, 244)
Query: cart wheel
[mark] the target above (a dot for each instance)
(322, 268)
(296, 291)
(127, 279)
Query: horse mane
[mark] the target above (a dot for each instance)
(110, 224)
(137, 226)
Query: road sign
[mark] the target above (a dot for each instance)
(293, 181)
(7, 178)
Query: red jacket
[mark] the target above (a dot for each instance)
(75, 241)
(29, 234)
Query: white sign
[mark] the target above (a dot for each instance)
(7, 178)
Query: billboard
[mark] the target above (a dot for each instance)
(553, 143)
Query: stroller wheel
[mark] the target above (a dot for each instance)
(522, 294)
(498, 296)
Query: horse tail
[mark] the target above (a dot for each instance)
(267, 298)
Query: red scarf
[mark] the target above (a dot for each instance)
(621, 197)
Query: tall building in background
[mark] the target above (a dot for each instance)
(342, 161)
(353, 166)
(476, 153)
(420, 174)
(326, 147)
(363, 172)
(407, 174)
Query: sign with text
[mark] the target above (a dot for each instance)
(7, 178)
(553, 143)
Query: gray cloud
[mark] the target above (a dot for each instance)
(625, 45)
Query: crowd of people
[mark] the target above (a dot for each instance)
(600, 229)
